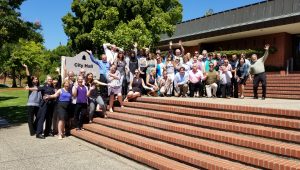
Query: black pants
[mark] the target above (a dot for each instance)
(45, 113)
(69, 121)
(103, 89)
(196, 87)
(124, 86)
(80, 111)
(32, 118)
(234, 88)
(225, 90)
(219, 91)
(54, 119)
(257, 79)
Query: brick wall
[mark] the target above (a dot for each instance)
(282, 42)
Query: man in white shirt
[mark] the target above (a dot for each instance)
(111, 52)
(225, 81)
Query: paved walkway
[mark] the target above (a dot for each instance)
(20, 151)
(268, 103)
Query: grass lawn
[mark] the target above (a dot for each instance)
(13, 105)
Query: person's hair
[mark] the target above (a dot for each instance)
(181, 68)
(241, 58)
(131, 52)
(35, 77)
(151, 70)
(185, 58)
(86, 78)
(121, 58)
(150, 56)
(65, 81)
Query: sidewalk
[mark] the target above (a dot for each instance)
(20, 151)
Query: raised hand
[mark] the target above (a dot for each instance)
(89, 51)
(135, 45)
(170, 43)
(24, 65)
(180, 42)
(267, 46)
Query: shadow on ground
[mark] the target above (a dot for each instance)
(15, 115)
(3, 98)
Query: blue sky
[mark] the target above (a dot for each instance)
(50, 12)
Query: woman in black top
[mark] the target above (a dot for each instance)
(135, 87)
(34, 99)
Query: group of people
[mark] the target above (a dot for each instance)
(125, 76)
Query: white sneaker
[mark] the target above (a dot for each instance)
(111, 110)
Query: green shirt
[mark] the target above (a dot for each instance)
(211, 77)
(259, 66)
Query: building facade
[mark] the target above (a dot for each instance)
(274, 22)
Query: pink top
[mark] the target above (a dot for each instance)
(199, 64)
(195, 77)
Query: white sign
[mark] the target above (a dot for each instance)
(80, 61)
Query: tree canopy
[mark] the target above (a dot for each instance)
(121, 22)
(15, 33)
(12, 27)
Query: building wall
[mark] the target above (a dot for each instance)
(282, 42)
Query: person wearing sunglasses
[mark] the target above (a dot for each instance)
(211, 78)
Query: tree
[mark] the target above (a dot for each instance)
(12, 28)
(121, 22)
(54, 56)
(29, 53)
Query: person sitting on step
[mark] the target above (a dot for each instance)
(181, 83)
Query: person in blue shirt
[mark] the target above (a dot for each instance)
(181, 83)
(104, 67)
(242, 74)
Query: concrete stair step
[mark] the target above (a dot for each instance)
(244, 155)
(250, 84)
(279, 92)
(225, 107)
(235, 116)
(257, 143)
(280, 81)
(145, 157)
(289, 89)
(283, 78)
(276, 96)
(187, 156)
(256, 130)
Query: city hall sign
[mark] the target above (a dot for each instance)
(80, 61)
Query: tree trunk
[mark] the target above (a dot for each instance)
(13, 74)
(20, 81)
(4, 78)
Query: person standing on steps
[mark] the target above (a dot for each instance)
(34, 98)
(257, 69)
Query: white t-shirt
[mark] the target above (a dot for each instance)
(111, 55)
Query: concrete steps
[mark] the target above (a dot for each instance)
(148, 158)
(184, 134)
(287, 87)
(244, 155)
